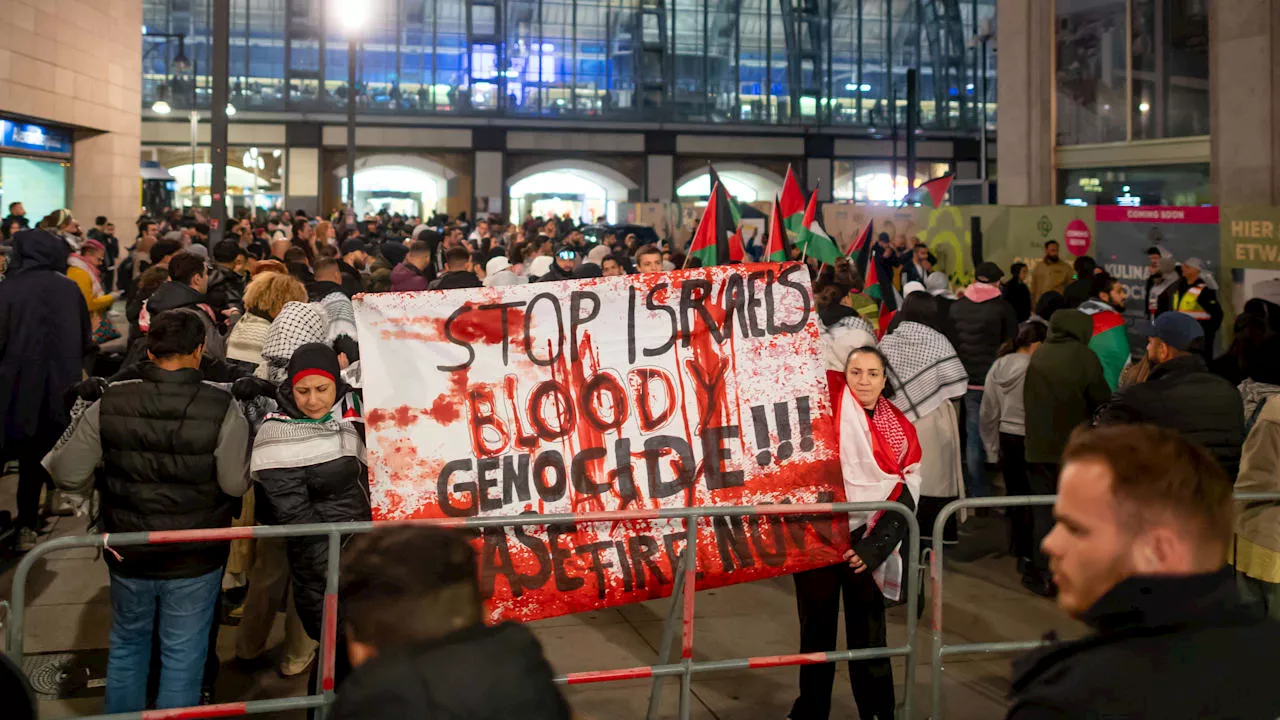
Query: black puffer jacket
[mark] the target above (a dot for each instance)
(159, 430)
(978, 330)
(328, 492)
(1183, 395)
(480, 673)
(226, 290)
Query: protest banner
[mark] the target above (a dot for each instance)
(694, 388)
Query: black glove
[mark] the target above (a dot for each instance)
(249, 388)
(91, 390)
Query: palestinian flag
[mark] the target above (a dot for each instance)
(711, 243)
(875, 287)
(931, 192)
(1110, 340)
(779, 247)
(813, 240)
(735, 215)
(792, 204)
(863, 239)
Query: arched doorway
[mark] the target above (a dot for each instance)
(746, 183)
(410, 186)
(587, 191)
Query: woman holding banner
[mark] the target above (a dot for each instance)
(880, 460)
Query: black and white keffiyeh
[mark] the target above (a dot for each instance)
(296, 325)
(284, 442)
(924, 369)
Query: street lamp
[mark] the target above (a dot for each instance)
(351, 16)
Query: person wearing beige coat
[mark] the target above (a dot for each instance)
(1256, 555)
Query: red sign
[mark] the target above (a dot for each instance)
(1157, 214)
(693, 388)
(1077, 237)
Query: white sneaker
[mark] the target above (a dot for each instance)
(27, 539)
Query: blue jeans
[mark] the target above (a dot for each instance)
(975, 476)
(186, 615)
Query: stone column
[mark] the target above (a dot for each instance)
(1244, 81)
(1024, 92)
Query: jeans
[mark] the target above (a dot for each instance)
(975, 476)
(186, 608)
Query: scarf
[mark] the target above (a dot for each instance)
(879, 457)
(284, 442)
(296, 325)
(95, 272)
(924, 369)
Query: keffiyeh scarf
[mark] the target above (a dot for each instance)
(924, 369)
(296, 325)
(284, 442)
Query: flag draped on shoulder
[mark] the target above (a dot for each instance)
(779, 247)
(714, 243)
(933, 192)
(813, 240)
(792, 204)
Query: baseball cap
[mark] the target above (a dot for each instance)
(1175, 329)
(988, 272)
(496, 264)
(354, 245)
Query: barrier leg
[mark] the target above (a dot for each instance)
(329, 628)
(690, 581)
(913, 602)
(668, 633)
(935, 563)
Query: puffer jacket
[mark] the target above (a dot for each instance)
(173, 295)
(1002, 408)
(332, 491)
(1181, 394)
(1064, 386)
(478, 673)
(226, 290)
(981, 322)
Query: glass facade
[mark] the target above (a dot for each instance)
(1176, 185)
(39, 184)
(781, 62)
(1131, 70)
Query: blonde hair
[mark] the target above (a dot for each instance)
(268, 292)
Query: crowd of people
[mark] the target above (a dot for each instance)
(229, 393)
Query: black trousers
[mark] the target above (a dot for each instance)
(818, 600)
(1043, 479)
(1013, 464)
(32, 476)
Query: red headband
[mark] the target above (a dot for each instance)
(311, 371)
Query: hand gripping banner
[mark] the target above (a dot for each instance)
(694, 388)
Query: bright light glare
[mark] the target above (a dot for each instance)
(161, 107)
(351, 14)
(1144, 107)
(231, 110)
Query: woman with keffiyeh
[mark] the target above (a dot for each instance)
(309, 464)
(879, 460)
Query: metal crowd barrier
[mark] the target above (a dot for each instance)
(682, 599)
(941, 649)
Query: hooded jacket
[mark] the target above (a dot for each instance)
(173, 295)
(226, 290)
(1110, 339)
(44, 336)
(981, 322)
(1002, 408)
(478, 673)
(1181, 394)
(1064, 386)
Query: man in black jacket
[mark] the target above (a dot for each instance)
(457, 273)
(981, 322)
(157, 479)
(226, 279)
(416, 635)
(1145, 521)
(1182, 394)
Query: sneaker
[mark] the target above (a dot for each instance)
(297, 666)
(27, 539)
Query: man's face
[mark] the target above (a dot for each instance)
(109, 228)
(1051, 251)
(152, 231)
(610, 268)
(482, 227)
(1116, 297)
(1153, 262)
(200, 283)
(1190, 273)
(1158, 351)
(565, 262)
(922, 255)
(1089, 550)
(19, 211)
(649, 263)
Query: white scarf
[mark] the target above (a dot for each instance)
(866, 481)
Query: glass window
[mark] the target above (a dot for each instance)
(873, 181)
(1170, 69)
(40, 185)
(1177, 185)
(1091, 82)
